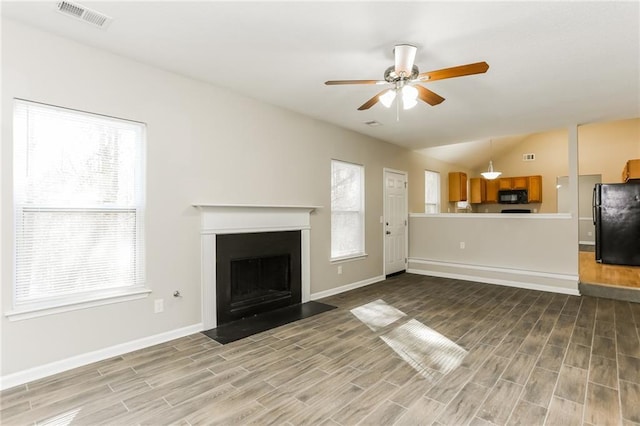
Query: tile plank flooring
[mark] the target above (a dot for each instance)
(529, 358)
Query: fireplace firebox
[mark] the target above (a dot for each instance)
(256, 273)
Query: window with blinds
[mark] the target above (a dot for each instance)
(79, 200)
(347, 210)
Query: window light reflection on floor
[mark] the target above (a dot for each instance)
(63, 419)
(377, 314)
(423, 348)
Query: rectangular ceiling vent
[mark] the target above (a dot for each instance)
(528, 157)
(83, 13)
(373, 123)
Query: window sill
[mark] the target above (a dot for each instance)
(39, 310)
(348, 258)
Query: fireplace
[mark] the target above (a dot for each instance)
(256, 273)
(222, 221)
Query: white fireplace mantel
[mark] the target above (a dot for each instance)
(243, 218)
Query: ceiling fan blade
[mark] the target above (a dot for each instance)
(336, 82)
(371, 102)
(428, 96)
(459, 71)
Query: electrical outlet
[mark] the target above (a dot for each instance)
(158, 306)
(339, 269)
(462, 244)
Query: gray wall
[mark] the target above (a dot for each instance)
(205, 144)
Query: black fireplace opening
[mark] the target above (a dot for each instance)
(257, 273)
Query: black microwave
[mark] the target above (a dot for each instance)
(513, 196)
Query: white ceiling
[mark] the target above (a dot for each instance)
(552, 64)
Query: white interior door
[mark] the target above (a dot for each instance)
(395, 221)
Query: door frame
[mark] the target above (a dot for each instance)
(384, 218)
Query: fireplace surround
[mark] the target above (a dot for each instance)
(256, 272)
(226, 219)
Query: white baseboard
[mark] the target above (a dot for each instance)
(532, 280)
(587, 243)
(35, 373)
(347, 287)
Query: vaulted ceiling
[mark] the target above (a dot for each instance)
(552, 64)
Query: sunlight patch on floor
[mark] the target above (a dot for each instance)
(424, 349)
(63, 419)
(377, 314)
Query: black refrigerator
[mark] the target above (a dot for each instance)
(616, 216)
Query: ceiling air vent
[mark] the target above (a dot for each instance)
(84, 14)
(528, 157)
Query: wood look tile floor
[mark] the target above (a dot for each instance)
(467, 353)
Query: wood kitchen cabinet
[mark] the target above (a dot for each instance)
(478, 189)
(534, 189)
(457, 186)
(492, 187)
(533, 185)
(631, 170)
(519, 182)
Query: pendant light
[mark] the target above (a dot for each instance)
(490, 174)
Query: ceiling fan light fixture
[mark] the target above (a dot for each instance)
(405, 55)
(387, 98)
(409, 97)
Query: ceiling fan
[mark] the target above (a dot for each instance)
(405, 76)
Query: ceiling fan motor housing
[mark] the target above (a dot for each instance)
(405, 56)
(392, 76)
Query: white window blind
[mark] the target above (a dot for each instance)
(431, 192)
(347, 209)
(79, 199)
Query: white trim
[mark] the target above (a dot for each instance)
(347, 287)
(525, 279)
(35, 311)
(495, 215)
(587, 243)
(348, 258)
(590, 219)
(254, 229)
(25, 376)
(529, 286)
(245, 218)
(493, 269)
(257, 206)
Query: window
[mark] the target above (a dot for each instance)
(79, 199)
(347, 210)
(431, 192)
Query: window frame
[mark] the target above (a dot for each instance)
(438, 204)
(361, 215)
(56, 303)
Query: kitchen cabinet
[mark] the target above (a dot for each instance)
(504, 183)
(457, 186)
(533, 185)
(478, 189)
(519, 182)
(631, 170)
(534, 189)
(492, 187)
